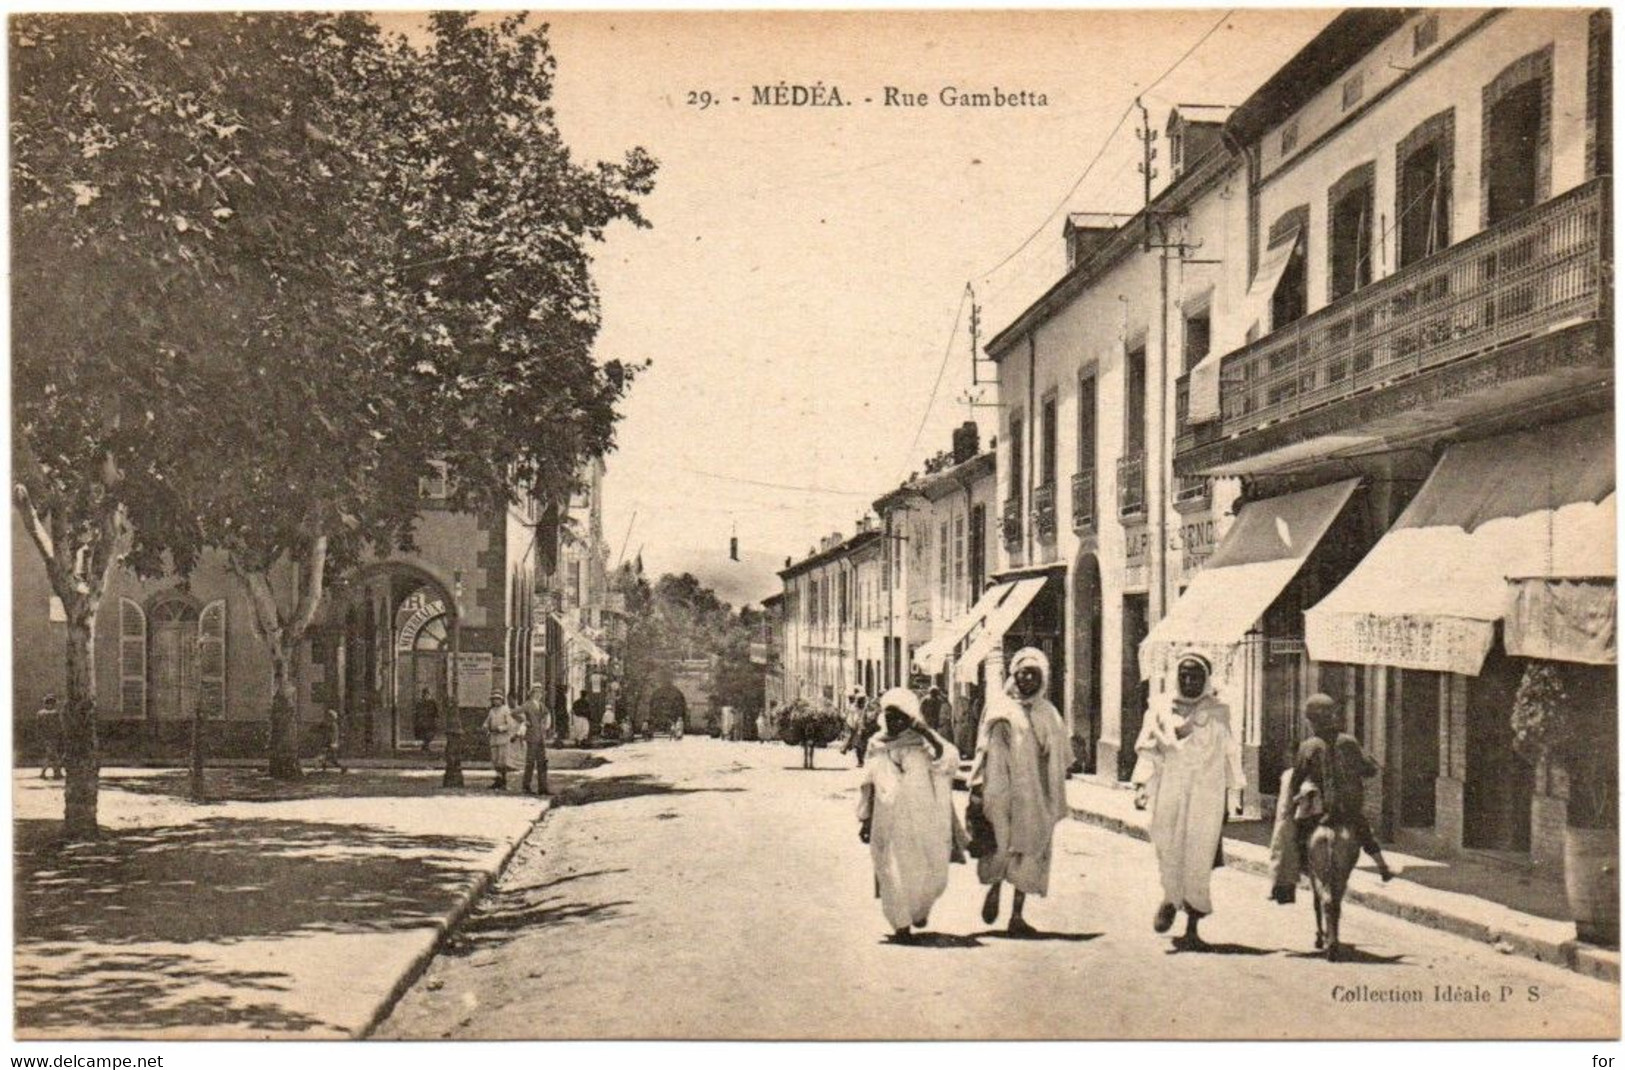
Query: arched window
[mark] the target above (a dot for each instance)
(132, 660)
(211, 656)
(172, 659)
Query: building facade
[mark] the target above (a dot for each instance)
(457, 616)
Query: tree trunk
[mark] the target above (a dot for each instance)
(284, 750)
(79, 733)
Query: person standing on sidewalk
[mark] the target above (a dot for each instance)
(333, 731)
(1188, 760)
(1020, 777)
(537, 717)
(499, 732)
(49, 728)
(425, 715)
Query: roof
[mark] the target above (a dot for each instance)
(1317, 65)
(934, 485)
(823, 557)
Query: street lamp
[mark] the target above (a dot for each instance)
(453, 777)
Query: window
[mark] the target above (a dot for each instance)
(1086, 424)
(1018, 474)
(959, 558)
(1349, 240)
(433, 486)
(1198, 336)
(1047, 443)
(1134, 400)
(132, 660)
(942, 570)
(978, 551)
(1289, 300)
(1424, 35)
(1289, 137)
(1516, 172)
(1353, 89)
(1425, 165)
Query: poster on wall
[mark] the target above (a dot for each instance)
(474, 675)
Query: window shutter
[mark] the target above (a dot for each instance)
(211, 659)
(132, 660)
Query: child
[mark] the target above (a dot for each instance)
(905, 812)
(330, 751)
(1332, 765)
(499, 732)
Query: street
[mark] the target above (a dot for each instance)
(699, 889)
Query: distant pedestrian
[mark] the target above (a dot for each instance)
(499, 732)
(935, 710)
(51, 731)
(905, 812)
(860, 726)
(537, 716)
(1189, 758)
(1020, 777)
(967, 718)
(591, 710)
(333, 731)
(425, 718)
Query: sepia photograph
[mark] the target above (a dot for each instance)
(810, 525)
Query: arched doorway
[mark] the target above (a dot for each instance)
(172, 663)
(1086, 629)
(422, 645)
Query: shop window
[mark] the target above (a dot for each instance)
(1425, 165)
(1349, 232)
(1516, 171)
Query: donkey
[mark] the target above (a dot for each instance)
(1332, 851)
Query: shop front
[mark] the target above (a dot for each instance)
(1503, 559)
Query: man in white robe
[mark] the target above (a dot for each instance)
(905, 812)
(1188, 761)
(1022, 754)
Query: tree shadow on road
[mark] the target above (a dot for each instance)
(97, 924)
(585, 791)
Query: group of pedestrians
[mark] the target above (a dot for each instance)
(1188, 766)
(1018, 795)
(518, 739)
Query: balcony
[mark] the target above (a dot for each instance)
(1083, 502)
(1192, 493)
(1012, 523)
(1131, 486)
(1533, 275)
(1044, 511)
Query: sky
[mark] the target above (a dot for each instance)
(802, 284)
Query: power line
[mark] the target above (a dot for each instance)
(777, 486)
(1121, 119)
(947, 351)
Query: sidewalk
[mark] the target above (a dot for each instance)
(283, 911)
(1510, 918)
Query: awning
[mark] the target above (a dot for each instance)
(932, 654)
(574, 634)
(1519, 506)
(1204, 402)
(1569, 610)
(1019, 594)
(1256, 559)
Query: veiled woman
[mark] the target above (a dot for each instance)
(1188, 759)
(905, 810)
(1020, 773)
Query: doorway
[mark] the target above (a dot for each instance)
(1086, 622)
(1512, 132)
(172, 667)
(1498, 783)
(1136, 692)
(1418, 738)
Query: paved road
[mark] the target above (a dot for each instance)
(708, 890)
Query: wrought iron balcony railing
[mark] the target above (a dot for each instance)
(1044, 511)
(1083, 501)
(1131, 485)
(1192, 491)
(1537, 272)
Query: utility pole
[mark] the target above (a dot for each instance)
(1147, 166)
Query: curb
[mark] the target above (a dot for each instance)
(1512, 933)
(443, 928)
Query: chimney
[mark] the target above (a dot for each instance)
(967, 442)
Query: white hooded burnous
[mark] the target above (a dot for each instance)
(1020, 769)
(1188, 758)
(906, 802)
